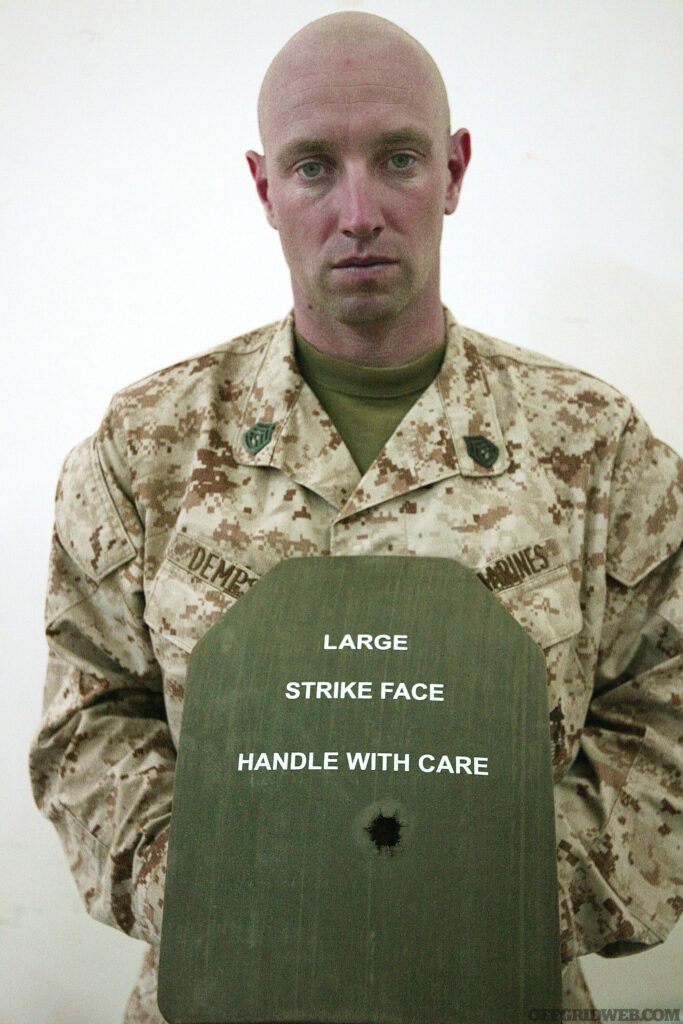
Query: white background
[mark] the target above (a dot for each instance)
(131, 237)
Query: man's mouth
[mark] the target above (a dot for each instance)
(364, 261)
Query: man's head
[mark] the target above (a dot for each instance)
(358, 170)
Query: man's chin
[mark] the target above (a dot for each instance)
(365, 308)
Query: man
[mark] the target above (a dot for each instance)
(368, 422)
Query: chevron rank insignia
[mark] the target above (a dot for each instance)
(482, 450)
(258, 436)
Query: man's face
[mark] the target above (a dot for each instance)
(358, 173)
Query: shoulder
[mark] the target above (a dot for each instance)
(546, 384)
(151, 430)
(595, 446)
(172, 389)
(164, 412)
(572, 417)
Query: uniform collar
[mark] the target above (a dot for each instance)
(430, 444)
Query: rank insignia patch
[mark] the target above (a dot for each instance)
(258, 436)
(482, 450)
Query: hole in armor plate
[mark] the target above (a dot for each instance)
(385, 832)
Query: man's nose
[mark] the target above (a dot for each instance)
(360, 214)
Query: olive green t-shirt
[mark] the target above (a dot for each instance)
(365, 403)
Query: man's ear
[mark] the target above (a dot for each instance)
(460, 150)
(257, 166)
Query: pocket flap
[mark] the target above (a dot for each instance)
(547, 607)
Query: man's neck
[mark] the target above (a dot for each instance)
(380, 343)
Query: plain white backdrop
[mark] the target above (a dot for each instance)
(132, 237)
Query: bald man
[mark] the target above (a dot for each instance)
(358, 170)
(368, 422)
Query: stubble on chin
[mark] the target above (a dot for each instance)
(367, 304)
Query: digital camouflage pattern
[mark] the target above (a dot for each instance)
(167, 515)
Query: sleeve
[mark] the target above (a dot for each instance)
(620, 807)
(102, 762)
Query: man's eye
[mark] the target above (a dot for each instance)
(311, 169)
(401, 161)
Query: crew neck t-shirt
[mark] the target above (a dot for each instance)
(365, 403)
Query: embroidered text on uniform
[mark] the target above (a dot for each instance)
(514, 568)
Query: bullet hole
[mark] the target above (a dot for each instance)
(385, 832)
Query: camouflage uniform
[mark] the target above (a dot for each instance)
(164, 519)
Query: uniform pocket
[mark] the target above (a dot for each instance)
(546, 606)
(195, 585)
(87, 521)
